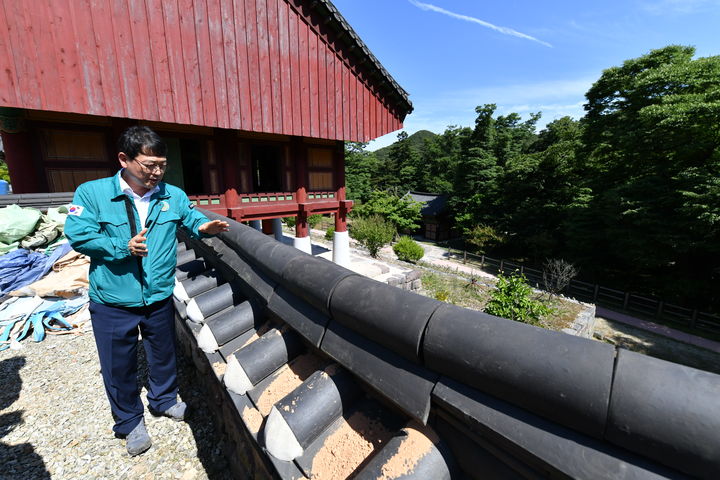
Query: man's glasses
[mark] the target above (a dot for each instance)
(151, 167)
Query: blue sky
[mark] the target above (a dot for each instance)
(524, 56)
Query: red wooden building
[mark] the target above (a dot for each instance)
(254, 97)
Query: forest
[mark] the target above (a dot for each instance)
(629, 193)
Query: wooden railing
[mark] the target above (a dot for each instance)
(321, 196)
(263, 205)
(261, 197)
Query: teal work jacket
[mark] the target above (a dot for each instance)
(97, 226)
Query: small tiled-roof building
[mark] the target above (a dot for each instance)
(254, 98)
(435, 218)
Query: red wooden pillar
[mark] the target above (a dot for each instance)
(299, 153)
(18, 144)
(228, 156)
(267, 226)
(341, 213)
(341, 240)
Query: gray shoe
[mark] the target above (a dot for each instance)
(138, 441)
(176, 412)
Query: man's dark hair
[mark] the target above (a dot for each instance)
(137, 140)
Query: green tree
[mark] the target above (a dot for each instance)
(483, 136)
(630, 193)
(4, 173)
(482, 238)
(438, 158)
(402, 212)
(477, 174)
(538, 188)
(361, 168)
(400, 171)
(512, 137)
(651, 148)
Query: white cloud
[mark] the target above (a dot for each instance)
(674, 7)
(526, 93)
(467, 18)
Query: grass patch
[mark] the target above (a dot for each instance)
(455, 290)
(564, 313)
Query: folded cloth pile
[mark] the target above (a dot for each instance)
(22, 267)
(21, 315)
(55, 303)
(68, 278)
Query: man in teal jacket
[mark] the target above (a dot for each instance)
(127, 224)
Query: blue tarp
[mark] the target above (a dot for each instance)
(22, 267)
(19, 268)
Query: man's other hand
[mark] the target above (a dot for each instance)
(137, 246)
(214, 227)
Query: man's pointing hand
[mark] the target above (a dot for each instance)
(214, 227)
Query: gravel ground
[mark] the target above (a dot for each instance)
(55, 421)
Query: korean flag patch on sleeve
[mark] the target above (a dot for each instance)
(75, 210)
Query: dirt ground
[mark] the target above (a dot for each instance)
(648, 343)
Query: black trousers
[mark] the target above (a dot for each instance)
(116, 336)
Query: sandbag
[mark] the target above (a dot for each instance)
(17, 222)
(45, 232)
(58, 215)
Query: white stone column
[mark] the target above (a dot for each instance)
(303, 244)
(277, 229)
(341, 248)
(256, 224)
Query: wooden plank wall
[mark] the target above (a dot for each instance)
(266, 66)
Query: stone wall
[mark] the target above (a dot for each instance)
(584, 323)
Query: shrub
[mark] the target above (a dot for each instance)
(373, 232)
(329, 233)
(314, 219)
(442, 295)
(408, 250)
(557, 275)
(290, 221)
(512, 298)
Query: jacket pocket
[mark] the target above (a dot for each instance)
(161, 236)
(166, 218)
(115, 226)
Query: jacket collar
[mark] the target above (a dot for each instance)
(118, 193)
